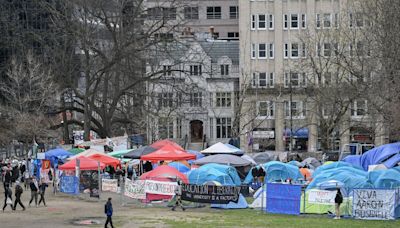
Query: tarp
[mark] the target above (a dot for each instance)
(333, 165)
(389, 153)
(164, 172)
(277, 171)
(136, 154)
(168, 153)
(57, 153)
(220, 148)
(226, 175)
(389, 178)
(283, 199)
(179, 166)
(225, 159)
(76, 150)
(85, 164)
(105, 159)
(311, 162)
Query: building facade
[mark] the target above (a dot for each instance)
(278, 104)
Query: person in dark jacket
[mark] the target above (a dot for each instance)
(42, 189)
(108, 210)
(7, 194)
(34, 191)
(338, 201)
(7, 177)
(18, 193)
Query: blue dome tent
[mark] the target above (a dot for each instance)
(277, 171)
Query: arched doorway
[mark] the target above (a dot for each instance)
(196, 130)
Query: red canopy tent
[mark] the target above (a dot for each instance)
(107, 160)
(168, 153)
(165, 142)
(85, 164)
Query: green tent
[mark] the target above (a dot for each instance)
(76, 150)
(119, 153)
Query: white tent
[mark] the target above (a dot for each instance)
(260, 199)
(220, 148)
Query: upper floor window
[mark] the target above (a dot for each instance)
(165, 100)
(196, 99)
(294, 21)
(295, 80)
(295, 109)
(224, 69)
(224, 127)
(214, 12)
(266, 109)
(223, 99)
(262, 21)
(234, 12)
(167, 71)
(158, 13)
(191, 13)
(195, 70)
(359, 108)
(263, 80)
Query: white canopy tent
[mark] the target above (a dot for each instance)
(220, 148)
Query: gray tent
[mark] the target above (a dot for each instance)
(264, 157)
(136, 154)
(225, 159)
(311, 161)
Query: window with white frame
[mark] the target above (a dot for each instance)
(262, 22)
(271, 22)
(165, 100)
(262, 51)
(318, 20)
(294, 21)
(253, 51)
(286, 51)
(224, 69)
(224, 128)
(271, 80)
(360, 108)
(285, 21)
(196, 99)
(266, 109)
(167, 70)
(223, 99)
(214, 12)
(233, 12)
(263, 80)
(295, 80)
(271, 50)
(253, 22)
(327, 20)
(327, 50)
(294, 50)
(195, 70)
(191, 13)
(295, 109)
(165, 128)
(303, 21)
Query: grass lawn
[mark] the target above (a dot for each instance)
(251, 218)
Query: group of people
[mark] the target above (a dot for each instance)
(17, 172)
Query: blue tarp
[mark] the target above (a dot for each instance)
(179, 166)
(283, 199)
(224, 174)
(241, 204)
(385, 178)
(333, 165)
(389, 153)
(277, 171)
(234, 148)
(56, 154)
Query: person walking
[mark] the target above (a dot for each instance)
(34, 191)
(42, 189)
(7, 176)
(18, 194)
(7, 197)
(338, 201)
(108, 210)
(178, 199)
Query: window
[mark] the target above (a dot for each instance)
(165, 128)
(262, 79)
(233, 35)
(234, 12)
(179, 128)
(211, 128)
(318, 20)
(303, 50)
(191, 13)
(165, 100)
(262, 23)
(271, 80)
(327, 20)
(359, 108)
(195, 70)
(196, 99)
(158, 13)
(224, 69)
(271, 51)
(295, 109)
(223, 99)
(253, 51)
(253, 22)
(167, 71)
(285, 21)
(294, 21)
(303, 21)
(295, 50)
(262, 51)
(327, 50)
(271, 22)
(297, 80)
(213, 12)
(266, 109)
(286, 51)
(224, 128)
(336, 20)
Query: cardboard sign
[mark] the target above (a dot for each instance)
(321, 197)
(160, 187)
(109, 185)
(210, 193)
(374, 204)
(135, 189)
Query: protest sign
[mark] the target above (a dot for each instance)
(44, 175)
(109, 185)
(321, 197)
(135, 189)
(160, 187)
(374, 204)
(283, 198)
(210, 193)
(69, 184)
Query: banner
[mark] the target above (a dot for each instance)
(135, 189)
(45, 164)
(69, 184)
(283, 198)
(160, 187)
(210, 193)
(374, 204)
(44, 175)
(321, 197)
(109, 185)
